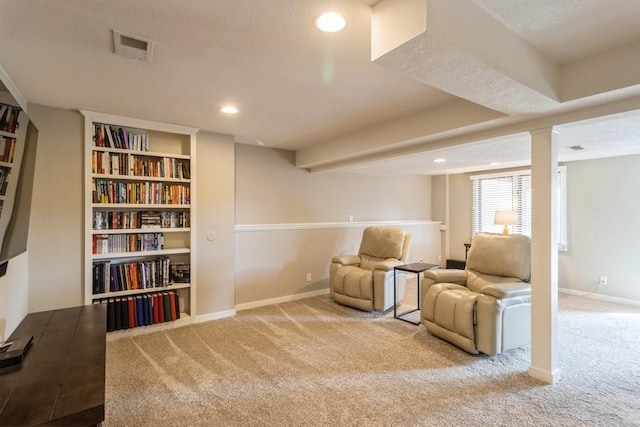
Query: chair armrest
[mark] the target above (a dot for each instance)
(443, 275)
(507, 290)
(388, 264)
(346, 259)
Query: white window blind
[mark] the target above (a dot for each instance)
(512, 191)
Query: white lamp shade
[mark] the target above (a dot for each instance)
(505, 218)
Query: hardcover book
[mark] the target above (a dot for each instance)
(180, 273)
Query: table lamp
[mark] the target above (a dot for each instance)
(505, 218)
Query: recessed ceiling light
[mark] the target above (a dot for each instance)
(439, 160)
(495, 164)
(330, 22)
(228, 109)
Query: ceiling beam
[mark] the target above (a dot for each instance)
(484, 131)
(459, 48)
(396, 133)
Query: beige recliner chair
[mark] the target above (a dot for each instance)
(487, 307)
(365, 281)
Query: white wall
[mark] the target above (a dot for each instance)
(14, 289)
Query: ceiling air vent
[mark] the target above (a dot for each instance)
(132, 46)
(576, 147)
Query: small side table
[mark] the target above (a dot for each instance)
(416, 267)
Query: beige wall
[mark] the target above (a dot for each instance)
(459, 214)
(603, 224)
(272, 264)
(603, 227)
(256, 185)
(215, 238)
(270, 189)
(459, 226)
(56, 233)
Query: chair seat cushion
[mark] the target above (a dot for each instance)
(354, 282)
(452, 307)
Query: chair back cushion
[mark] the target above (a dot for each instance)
(501, 255)
(382, 243)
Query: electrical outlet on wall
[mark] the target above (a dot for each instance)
(603, 281)
(308, 277)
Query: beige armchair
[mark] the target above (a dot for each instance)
(487, 307)
(365, 281)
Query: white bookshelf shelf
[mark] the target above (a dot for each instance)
(119, 206)
(141, 291)
(138, 254)
(142, 230)
(140, 178)
(141, 153)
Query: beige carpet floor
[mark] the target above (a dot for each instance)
(315, 363)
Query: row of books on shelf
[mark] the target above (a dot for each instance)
(111, 137)
(119, 220)
(132, 165)
(9, 116)
(7, 149)
(134, 242)
(110, 191)
(141, 310)
(5, 172)
(148, 274)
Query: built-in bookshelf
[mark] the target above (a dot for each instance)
(13, 130)
(139, 211)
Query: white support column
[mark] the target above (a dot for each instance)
(544, 256)
(447, 220)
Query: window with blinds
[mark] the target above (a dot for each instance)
(512, 191)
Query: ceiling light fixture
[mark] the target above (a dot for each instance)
(228, 109)
(439, 160)
(330, 22)
(495, 164)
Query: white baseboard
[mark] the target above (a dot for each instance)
(544, 375)
(600, 297)
(287, 298)
(215, 316)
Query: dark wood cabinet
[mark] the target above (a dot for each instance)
(457, 264)
(62, 378)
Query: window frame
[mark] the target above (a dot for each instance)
(518, 204)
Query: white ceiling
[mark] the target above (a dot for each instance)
(567, 31)
(321, 94)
